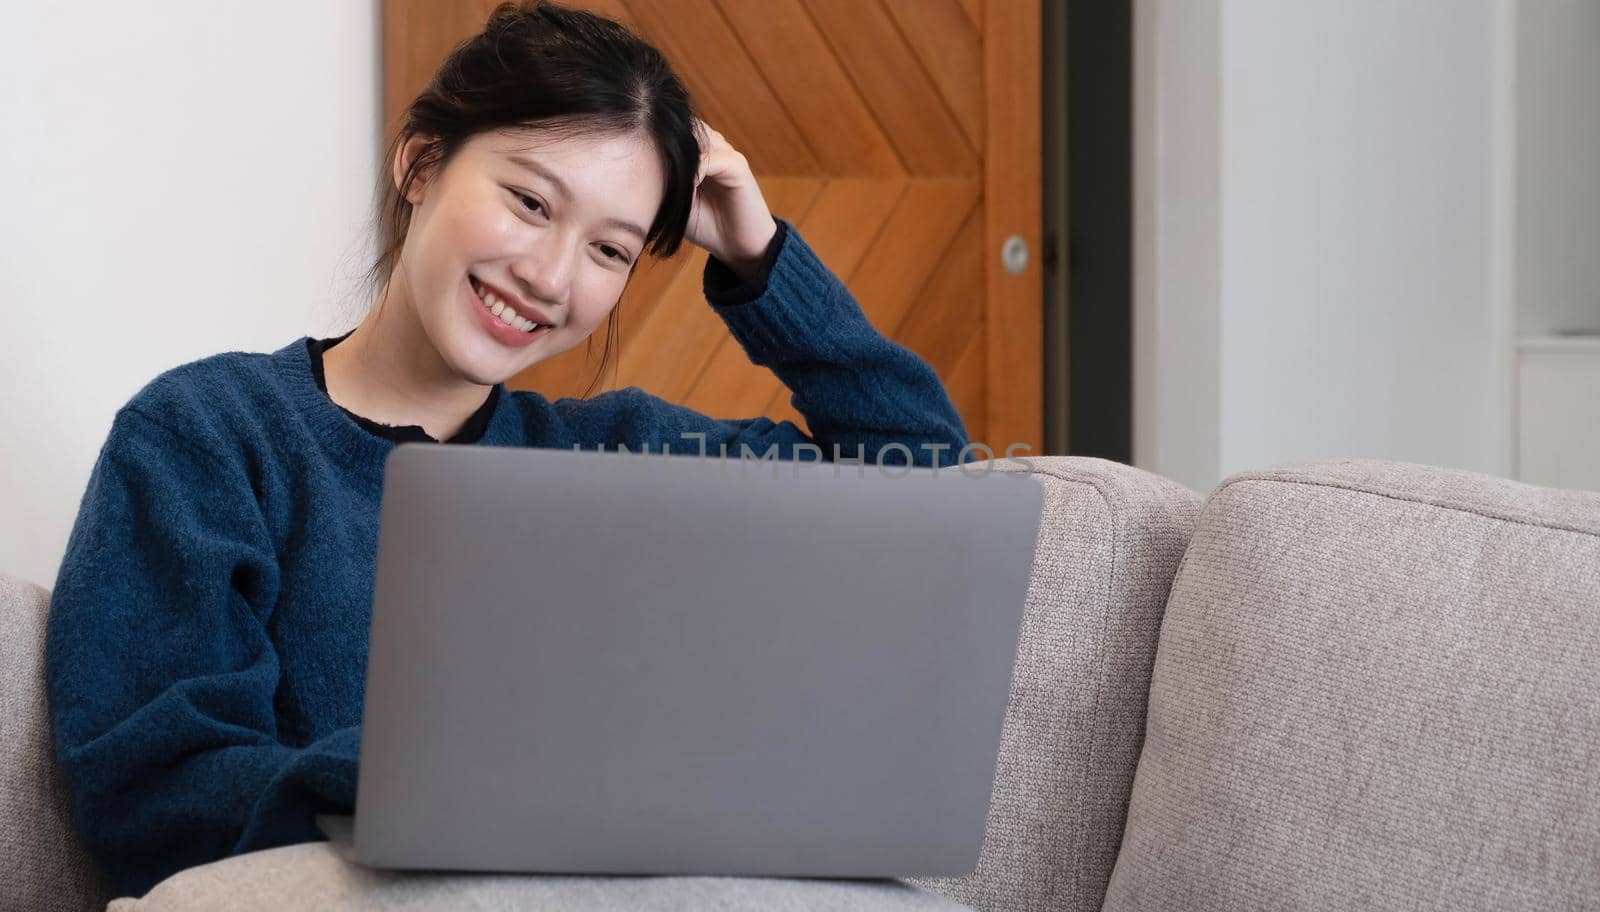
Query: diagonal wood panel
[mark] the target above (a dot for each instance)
(949, 306)
(848, 217)
(896, 87)
(974, 11)
(726, 85)
(946, 42)
(813, 87)
(909, 247)
(415, 42)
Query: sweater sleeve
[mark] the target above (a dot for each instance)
(161, 674)
(863, 396)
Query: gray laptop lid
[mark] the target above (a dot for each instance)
(664, 664)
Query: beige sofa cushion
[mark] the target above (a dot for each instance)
(42, 866)
(1109, 543)
(1378, 687)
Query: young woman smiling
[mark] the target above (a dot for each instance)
(207, 642)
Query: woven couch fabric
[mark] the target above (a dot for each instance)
(1378, 687)
(1109, 544)
(42, 866)
(313, 876)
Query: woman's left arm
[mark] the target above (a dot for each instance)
(860, 393)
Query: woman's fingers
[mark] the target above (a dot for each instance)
(724, 165)
(711, 135)
(703, 133)
(713, 155)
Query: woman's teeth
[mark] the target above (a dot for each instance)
(498, 307)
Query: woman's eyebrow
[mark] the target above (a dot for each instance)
(561, 188)
(623, 225)
(542, 171)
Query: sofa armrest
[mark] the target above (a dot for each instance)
(45, 867)
(1109, 543)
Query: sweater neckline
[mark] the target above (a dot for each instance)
(471, 432)
(363, 451)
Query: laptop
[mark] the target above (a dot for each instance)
(613, 662)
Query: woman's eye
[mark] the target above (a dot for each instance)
(530, 203)
(612, 253)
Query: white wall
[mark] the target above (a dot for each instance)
(1345, 192)
(1177, 190)
(182, 178)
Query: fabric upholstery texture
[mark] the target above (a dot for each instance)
(313, 876)
(43, 868)
(1378, 686)
(1109, 543)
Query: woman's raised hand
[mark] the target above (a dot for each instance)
(730, 218)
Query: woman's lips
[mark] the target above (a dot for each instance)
(519, 307)
(502, 332)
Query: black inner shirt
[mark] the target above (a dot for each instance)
(470, 432)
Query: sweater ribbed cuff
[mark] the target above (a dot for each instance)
(723, 286)
(803, 314)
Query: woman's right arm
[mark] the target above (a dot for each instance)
(161, 674)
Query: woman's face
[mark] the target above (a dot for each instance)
(547, 225)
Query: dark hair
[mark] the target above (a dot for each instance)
(537, 64)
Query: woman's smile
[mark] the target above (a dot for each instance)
(500, 320)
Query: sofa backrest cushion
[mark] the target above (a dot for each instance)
(42, 865)
(1109, 543)
(1378, 686)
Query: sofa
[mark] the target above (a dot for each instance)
(1336, 686)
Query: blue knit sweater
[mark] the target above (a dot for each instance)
(207, 641)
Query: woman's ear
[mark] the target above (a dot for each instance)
(407, 153)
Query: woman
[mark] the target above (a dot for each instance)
(208, 637)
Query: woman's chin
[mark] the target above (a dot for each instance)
(486, 362)
(479, 361)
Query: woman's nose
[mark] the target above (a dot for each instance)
(545, 272)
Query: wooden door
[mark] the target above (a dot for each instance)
(901, 137)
